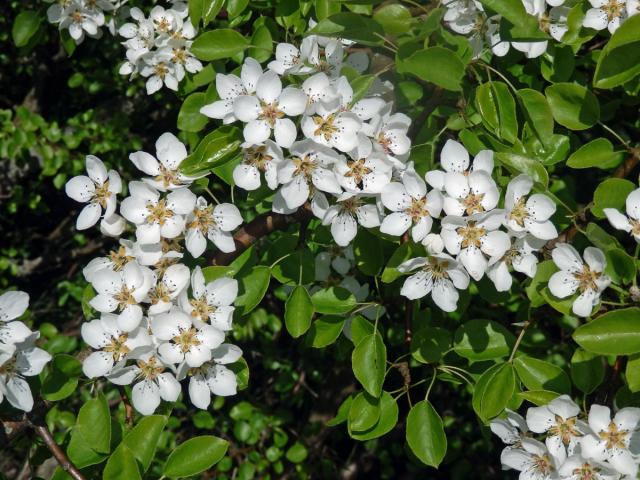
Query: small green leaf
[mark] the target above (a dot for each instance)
(94, 424)
(195, 456)
(388, 419)
(253, 287)
(394, 18)
(614, 333)
(25, 26)
(632, 373)
(493, 390)
(351, 26)
(325, 330)
(63, 379)
(437, 65)
(538, 397)
(612, 193)
(343, 412)
(143, 439)
(121, 465)
(498, 109)
(573, 106)
(297, 453)
(587, 370)
(368, 361)
(364, 412)
(522, 164)
(403, 252)
(482, 340)
(189, 117)
(367, 250)
(425, 434)
(597, 153)
(537, 374)
(619, 60)
(333, 300)
(298, 311)
(217, 148)
(538, 113)
(429, 344)
(218, 44)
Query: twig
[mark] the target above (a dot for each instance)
(518, 340)
(62, 459)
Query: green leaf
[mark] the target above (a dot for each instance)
(343, 412)
(388, 420)
(364, 412)
(261, 44)
(195, 456)
(351, 26)
(80, 453)
(25, 26)
(597, 153)
(298, 311)
(63, 379)
(218, 44)
(253, 287)
(544, 271)
(437, 65)
(217, 148)
(482, 340)
(241, 369)
(143, 439)
(498, 109)
(429, 344)
(538, 113)
(297, 453)
(325, 8)
(516, 23)
(333, 300)
(425, 434)
(632, 373)
(94, 424)
(612, 193)
(573, 106)
(538, 397)
(587, 370)
(394, 18)
(540, 375)
(367, 250)
(121, 465)
(619, 61)
(615, 333)
(189, 117)
(360, 328)
(403, 252)
(493, 390)
(368, 361)
(325, 330)
(522, 164)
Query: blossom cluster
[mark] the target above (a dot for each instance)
(467, 17)
(160, 322)
(556, 442)
(158, 46)
(19, 356)
(83, 17)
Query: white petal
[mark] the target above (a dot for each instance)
(145, 397)
(583, 305)
(454, 157)
(222, 381)
(13, 304)
(199, 392)
(563, 284)
(97, 364)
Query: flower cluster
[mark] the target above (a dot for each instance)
(159, 321)
(467, 17)
(19, 356)
(158, 46)
(556, 442)
(83, 17)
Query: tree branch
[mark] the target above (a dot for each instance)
(62, 459)
(259, 227)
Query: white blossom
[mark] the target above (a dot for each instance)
(530, 214)
(630, 222)
(533, 460)
(559, 420)
(214, 223)
(344, 217)
(520, 256)
(13, 304)
(263, 158)
(609, 14)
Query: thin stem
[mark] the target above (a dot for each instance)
(433, 380)
(518, 340)
(206, 189)
(614, 134)
(506, 80)
(615, 304)
(279, 260)
(417, 5)
(62, 459)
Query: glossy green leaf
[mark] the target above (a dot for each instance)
(394, 18)
(612, 193)
(364, 412)
(537, 374)
(63, 378)
(94, 424)
(195, 456)
(498, 109)
(189, 117)
(143, 439)
(253, 287)
(538, 397)
(614, 333)
(587, 370)
(437, 65)
(351, 26)
(538, 113)
(388, 419)
(482, 340)
(218, 44)
(522, 164)
(597, 153)
(429, 344)
(215, 149)
(25, 26)
(121, 465)
(493, 390)
(367, 250)
(298, 311)
(333, 300)
(368, 361)
(573, 106)
(425, 434)
(325, 330)
(619, 60)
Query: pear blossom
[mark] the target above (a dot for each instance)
(78, 19)
(511, 429)
(533, 460)
(12, 305)
(530, 214)
(290, 59)
(332, 127)
(122, 291)
(473, 237)
(411, 205)
(156, 217)
(440, 275)
(98, 190)
(344, 217)
(170, 152)
(212, 377)
(520, 256)
(140, 35)
(264, 158)
(367, 175)
(340, 259)
(173, 282)
(112, 345)
(389, 134)
(433, 243)
(559, 420)
(210, 303)
(576, 467)
(268, 109)
(158, 70)
(615, 440)
(630, 222)
(553, 22)
(609, 14)
(215, 223)
(576, 275)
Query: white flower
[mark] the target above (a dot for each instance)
(268, 109)
(215, 223)
(346, 214)
(473, 237)
(440, 275)
(159, 70)
(26, 360)
(289, 59)
(310, 166)
(630, 222)
(113, 345)
(511, 429)
(165, 21)
(174, 281)
(608, 14)
(533, 460)
(230, 87)
(529, 214)
(389, 134)
(337, 258)
(575, 275)
(156, 217)
(576, 467)
(333, 128)
(559, 420)
(211, 303)
(520, 256)
(411, 205)
(12, 305)
(98, 190)
(554, 22)
(258, 158)
(182, 58)
(433, 243)
(213, 376)
(80, 20)
(614, 439)
(152, 382)
(468, 191)
(367, 174)
(170, 153)
(122, 291)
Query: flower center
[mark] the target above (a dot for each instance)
(586, 472)
(635, 224)
(117, 347)
(180, 56)
(258, 157)
(8, 367)
(350, 205)
(77, 16)
(542, 464)
(437, 268)
(614, 9)
(473, 203)
(519, 212)
(565, 429)
(163, 24)
(385, 142)
(201, 309)
(160, 293)
(417, 210)
(544, 22)
(613, 437)
(101, 194)
(510, 255)
(167, 177)
(587, 279)
(187, 339)
(305, 165)
(161, 70)
(150, 369)
(358, 170)
(325, 127)
(270, 113)
(159, 212)
(125, 298)
(471, 235)
(203, 219)
(161, 265)
(119, 258)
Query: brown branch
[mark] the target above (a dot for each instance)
(628, 165)
(62, 459)
(259, 227)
